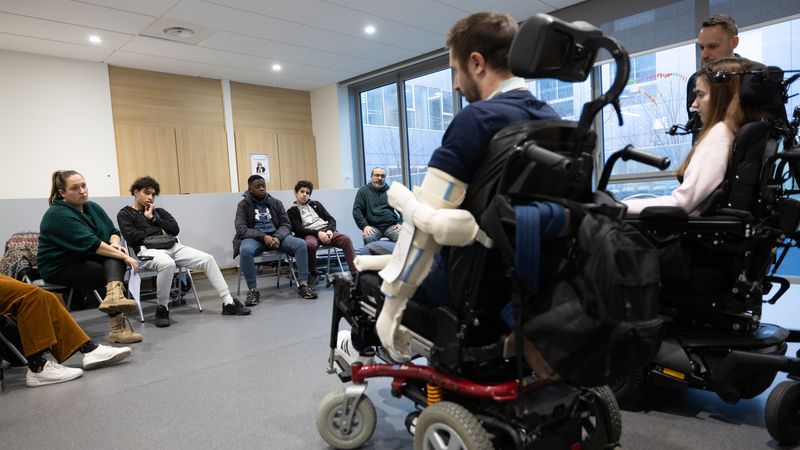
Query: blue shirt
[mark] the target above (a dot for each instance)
(469, 134)
(263, 217)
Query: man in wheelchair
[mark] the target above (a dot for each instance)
(503, 151)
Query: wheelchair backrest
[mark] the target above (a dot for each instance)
(753, 144)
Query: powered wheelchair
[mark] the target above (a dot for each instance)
(475, 392)
(718, 268)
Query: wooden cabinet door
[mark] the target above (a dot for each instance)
(254, 141)
(203, 160)
(147, 150)
(298, 159)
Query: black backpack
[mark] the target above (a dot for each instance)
(597, 321)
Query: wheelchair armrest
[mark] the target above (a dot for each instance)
(672, 214)
(738, 213)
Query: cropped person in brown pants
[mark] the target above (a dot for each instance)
(46, 325)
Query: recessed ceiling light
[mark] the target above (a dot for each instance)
(369, 29)
(276, 67)
(95, 39)
(179, 32)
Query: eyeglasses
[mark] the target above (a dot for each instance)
(379, 175)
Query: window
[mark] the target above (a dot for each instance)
(653, 101)
(566, 98)
(380, 131)
(433, 111)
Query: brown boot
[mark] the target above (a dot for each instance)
(121, 331)
(115, 300)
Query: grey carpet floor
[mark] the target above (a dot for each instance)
(213, 381)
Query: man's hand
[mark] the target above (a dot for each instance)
(148, 211)
(368, 230)
(398, 226)
(325, 236)
(272, 242)
(117, 246)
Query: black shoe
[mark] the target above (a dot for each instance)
(162, 316)
(313, 280)
(253, 297)
(306, 292)
(235, 309)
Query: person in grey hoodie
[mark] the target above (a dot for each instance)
(371, 210)
(262, 224)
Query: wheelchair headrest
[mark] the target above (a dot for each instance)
(763, 87)
(546, 47)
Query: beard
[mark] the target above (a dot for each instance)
(469, 89)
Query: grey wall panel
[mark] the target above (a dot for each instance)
(206, 220)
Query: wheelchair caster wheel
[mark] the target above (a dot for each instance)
(332, 421)
(782, 413)
(411, 421)
(452, 423)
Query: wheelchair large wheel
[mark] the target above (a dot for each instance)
(631, 389)
(606, 399)
(332, 412)
(447, 425)
(782, 413)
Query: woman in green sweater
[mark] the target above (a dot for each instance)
(79, 247)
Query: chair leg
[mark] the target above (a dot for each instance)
(194, 291)
(339, 260)
(69, 298)
(13, 349)
(238, 281)
(292, 274)
(278, 274)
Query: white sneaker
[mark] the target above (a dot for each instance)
(345, 349)
(52, 373)
(105, 355)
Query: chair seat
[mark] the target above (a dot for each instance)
(270, 256)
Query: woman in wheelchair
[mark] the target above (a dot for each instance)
(722, 113)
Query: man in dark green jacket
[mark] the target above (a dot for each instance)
(371, 210)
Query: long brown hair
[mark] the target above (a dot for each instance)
(724, 103)
(59, 182)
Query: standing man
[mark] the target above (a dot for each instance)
(262, 224)
(143, 220)
(371, 210)
(718, 38)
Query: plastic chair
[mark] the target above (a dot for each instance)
(269, 256)
(144, 273)
(336, 252)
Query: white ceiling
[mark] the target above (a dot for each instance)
(316, 42)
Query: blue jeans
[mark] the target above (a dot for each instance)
(250, 248)
(391, 232)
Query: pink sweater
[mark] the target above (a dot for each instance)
(705, 172)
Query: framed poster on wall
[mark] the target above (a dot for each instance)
(259, 165)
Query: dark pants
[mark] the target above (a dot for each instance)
(338, 240)
(91, 274)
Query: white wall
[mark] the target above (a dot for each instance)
(54, 114)
(330, 121)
